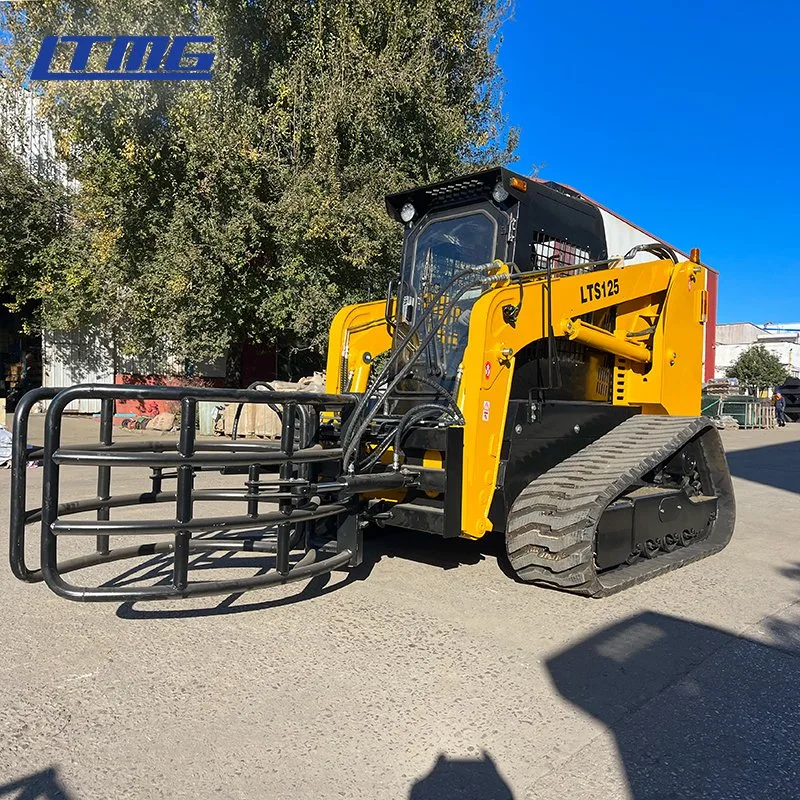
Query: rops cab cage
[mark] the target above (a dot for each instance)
(294, 508)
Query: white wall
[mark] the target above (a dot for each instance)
(738, 333)
(621, 236)
(83, 356)
(787, 352)
(732, 339)
(72, 357)
(163, 363)
(28, 135)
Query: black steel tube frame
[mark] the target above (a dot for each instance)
(19, 478)
(298, 498)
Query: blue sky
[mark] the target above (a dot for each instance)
(683, 117)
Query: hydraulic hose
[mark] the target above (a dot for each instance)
(354, 438)
(437, 387)
(396, 434)
(238, 414)
(375, 388)
(375, 456)
(414, 415)
(399, 349)
(380, 392)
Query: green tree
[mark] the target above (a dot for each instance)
(757, 368)
(251, 206)
(33, 221)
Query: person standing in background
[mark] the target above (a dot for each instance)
(780, 409)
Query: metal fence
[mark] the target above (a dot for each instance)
(749, 412)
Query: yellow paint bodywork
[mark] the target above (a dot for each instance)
(663, 302)
(355, 330)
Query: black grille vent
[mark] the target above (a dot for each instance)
(558, 254)
(470, 189)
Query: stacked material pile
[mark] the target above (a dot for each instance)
(258, 419)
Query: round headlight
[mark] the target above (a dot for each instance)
(499, 193)
(407, 212)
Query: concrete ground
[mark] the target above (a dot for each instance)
(428, 673)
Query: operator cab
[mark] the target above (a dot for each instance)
(454, 231)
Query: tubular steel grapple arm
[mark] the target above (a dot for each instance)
(309, 522)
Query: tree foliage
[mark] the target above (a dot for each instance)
(757, 368)
(33, 220)
(251, 206)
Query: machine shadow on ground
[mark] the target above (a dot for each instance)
(776, 465)
(44, 785)
(158, 571)
(378, 544)
(425, 548)
(465, 778)
(728, 729)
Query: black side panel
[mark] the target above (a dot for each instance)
(434, 515)
(547, 212)
(418, 514)
(425, 439)
(530, 370)
(561, 429)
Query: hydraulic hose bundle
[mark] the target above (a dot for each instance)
(370, 403)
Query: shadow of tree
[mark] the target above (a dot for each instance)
(44, 785)
(696, 711)
(464, 778)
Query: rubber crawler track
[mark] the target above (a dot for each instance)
(552, 524)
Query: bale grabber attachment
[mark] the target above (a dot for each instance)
(291, 506)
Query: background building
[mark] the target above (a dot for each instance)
(28, 136)
(782, 340)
